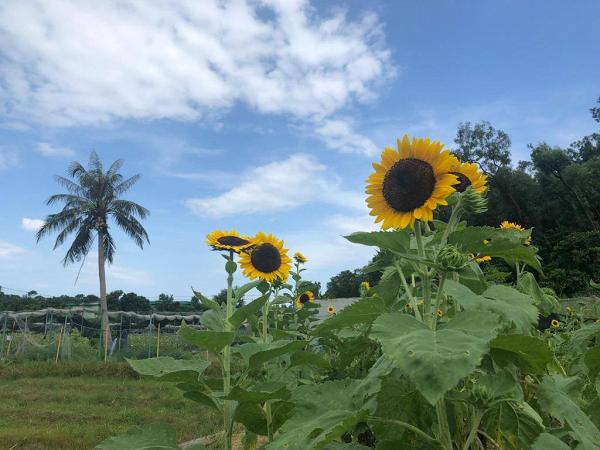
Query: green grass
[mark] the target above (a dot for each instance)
(75, 406)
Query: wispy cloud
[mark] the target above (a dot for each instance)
(340, 134)
(278, 186)
(7, 249)
(8, 158)
(185, 60)
(31, 224)
(46, 149)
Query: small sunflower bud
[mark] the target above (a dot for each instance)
(451, 258)
(472, 202)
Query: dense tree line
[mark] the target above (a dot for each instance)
(556, 192)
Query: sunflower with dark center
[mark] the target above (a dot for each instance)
(267, 259)
(330, 310)
(409, 183)
(468, 174)
(228, 240)
(300, 258)
(304, 298)
(506, 225)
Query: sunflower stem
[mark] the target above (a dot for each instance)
(411, 298)
(227, 404)
(425, 279)
(443, 426)
(265, 318)
(476, 420)
(438, 300)
(452, 222)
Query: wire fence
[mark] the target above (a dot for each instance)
(75, 334)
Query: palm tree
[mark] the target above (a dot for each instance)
(91, 199)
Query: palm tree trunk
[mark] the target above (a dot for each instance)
(106, 336)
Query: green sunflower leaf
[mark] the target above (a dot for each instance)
(517, 309)
(555, 396)
(206, 301)
(207, 339)
(545, 302)
(546, 441)
(239, 292)
(304, 358)
(514, 425)
(398, 390)
(435, 361)
(167, 368)
(149, 437)
(256, 354)
(322, 413)
(592, 361)
(398, 240)
(241, 314)
(255, 396)
(502, 243)
(365, 310)
(529, 353)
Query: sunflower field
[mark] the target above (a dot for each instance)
(432, 357)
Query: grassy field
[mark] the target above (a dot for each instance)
(44, 406)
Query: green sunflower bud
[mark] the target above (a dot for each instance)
(451, 258)
(472, 202)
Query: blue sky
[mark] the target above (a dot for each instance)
(262, 116)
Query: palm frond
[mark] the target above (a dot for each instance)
(95, 163)
(109, 247)
(70, 186)
(81, 245)
(70, 228)
(124, 186)
(115, 167)
(76, 170)
(57, 221)
(128, 208)
(133, 228)
(70, 201)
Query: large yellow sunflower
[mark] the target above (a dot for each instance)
(306, 297)
(228, 240)
(468, 174)
(409, 183)
(267, 259)
(515, 226)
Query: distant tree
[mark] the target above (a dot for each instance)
(133, 302)
(345, 284)
(93, 196)
(166, 302)
(221, 298)
(483, 144)
(553, 161)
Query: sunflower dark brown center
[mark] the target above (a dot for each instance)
(234, 241)
(408, 184)
(266, 258)
(304, 298)
(463, 182)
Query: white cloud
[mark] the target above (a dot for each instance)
(7, 249)
(72, 63)
(126, 274)
(8, 158)
(46, 149)
(340, 135)
(31, 224)
(344, 224)
(278, 186)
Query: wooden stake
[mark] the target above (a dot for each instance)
(158, 341)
